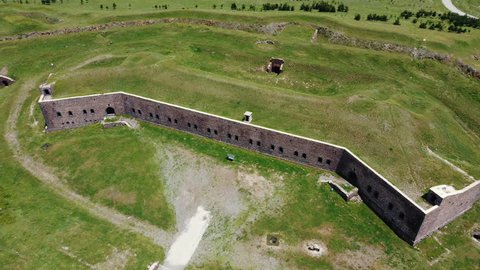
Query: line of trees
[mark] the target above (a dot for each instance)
(376, 17)
(324, 7)
(281, 7)
(459, 20)
(456, 23)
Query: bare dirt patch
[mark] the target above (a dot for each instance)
(256, 185)
(234, 196)
(118, 259)
(256, 254)
(4, 71)
(326, 230)
(116, 196)
(367, 257)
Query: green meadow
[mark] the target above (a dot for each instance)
(386, 107)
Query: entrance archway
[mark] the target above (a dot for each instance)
(110, 110)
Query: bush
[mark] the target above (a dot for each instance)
(357, 17)
(375, 17)
(397, 22)
(406, 14)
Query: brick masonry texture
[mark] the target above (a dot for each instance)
(406, 218)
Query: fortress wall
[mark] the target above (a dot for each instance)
(449, 209)
(395, 208)
(237, 133)
(78, 111)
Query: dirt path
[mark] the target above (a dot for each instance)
(451, 165)
(91, 60)
(45, 174)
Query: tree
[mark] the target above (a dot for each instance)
(243, 7)
(114, 6)
(214, 6)
(233, 6)
(397, 22)
(101, 6)
(357, 17)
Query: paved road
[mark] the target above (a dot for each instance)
(450, 6)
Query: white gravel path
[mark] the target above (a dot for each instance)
(450, 6)
(187, 242)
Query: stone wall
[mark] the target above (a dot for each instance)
(451, 207)
(407, 219)
(78, 111)
(398, 211)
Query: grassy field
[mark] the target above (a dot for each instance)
(40, 230)
(471, 7)
(395, 112)
(385, 107)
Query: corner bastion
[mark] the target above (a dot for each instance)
(405, 217)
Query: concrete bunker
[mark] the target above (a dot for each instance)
(476, 235)
(275, 65)
(5, 81)
(273, 240)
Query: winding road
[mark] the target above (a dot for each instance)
(450, 6)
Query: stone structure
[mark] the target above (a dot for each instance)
(248, 117)
(5, 81)
(407, 219)
(275, 65)
(415, 53)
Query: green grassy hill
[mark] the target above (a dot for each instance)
(386, 107)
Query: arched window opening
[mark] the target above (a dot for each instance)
(110, 111)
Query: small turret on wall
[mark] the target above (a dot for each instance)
(247, 117)
(46, 89)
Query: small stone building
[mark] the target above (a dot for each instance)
(275, 65)
(5, 81)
